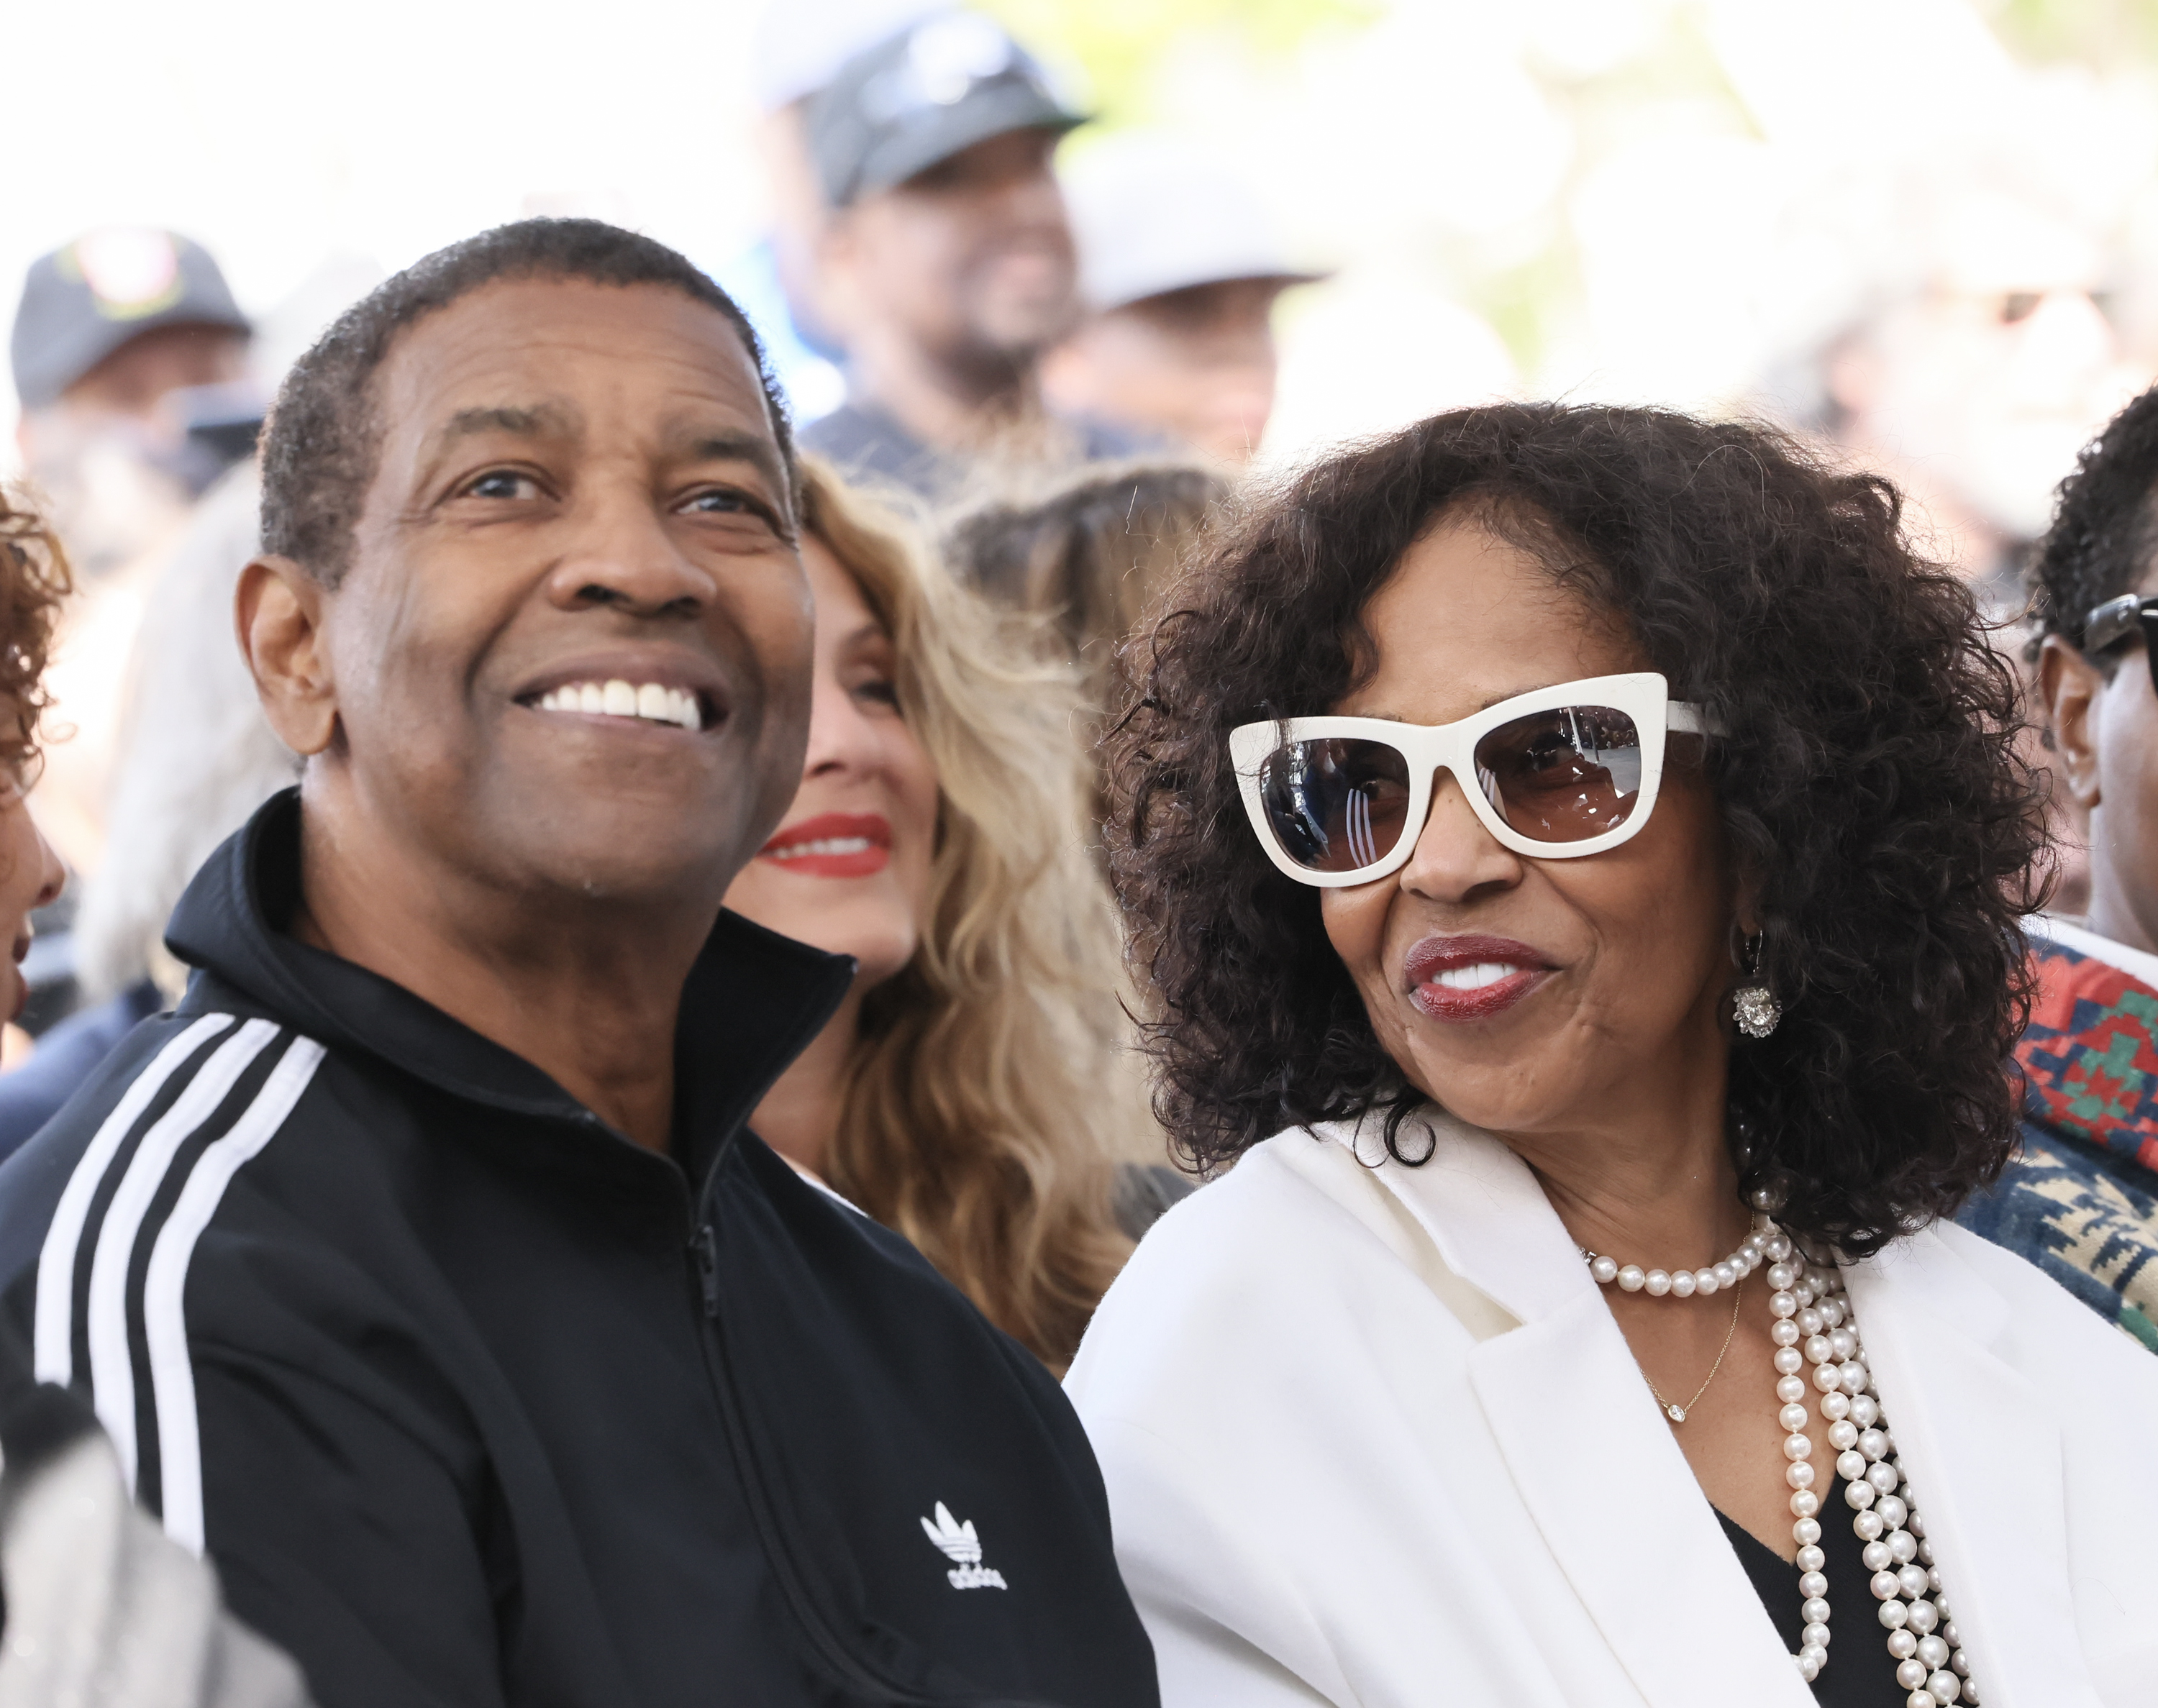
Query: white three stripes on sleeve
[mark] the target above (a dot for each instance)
(172, 1375)
(111, 1366)
(54, 1350)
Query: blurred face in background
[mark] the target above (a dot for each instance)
(848, 870)
(111, 452)
(970, 262)
(1985, 384)
(1196, 366)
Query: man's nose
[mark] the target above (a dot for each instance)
(624, 555)
(1034, 200)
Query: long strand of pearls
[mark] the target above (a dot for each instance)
(1814, 1325)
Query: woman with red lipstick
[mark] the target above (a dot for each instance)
(1579, 854)
(975, 1091)
(33, 580)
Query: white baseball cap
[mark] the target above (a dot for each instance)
(1153, 214)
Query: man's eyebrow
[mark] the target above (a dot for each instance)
(729, 446)
(532, 422)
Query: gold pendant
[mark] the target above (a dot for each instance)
(1678, 1413)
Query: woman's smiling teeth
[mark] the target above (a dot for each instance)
(821, 845)
(1474, 977)
(652, 701)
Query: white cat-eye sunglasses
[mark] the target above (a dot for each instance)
(1559, 773)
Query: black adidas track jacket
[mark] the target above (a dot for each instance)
(472, 1400)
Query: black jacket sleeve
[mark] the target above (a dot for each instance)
(341, 1534)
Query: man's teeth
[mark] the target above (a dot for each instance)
(1474, 977)
(824, 845)
(617, 699)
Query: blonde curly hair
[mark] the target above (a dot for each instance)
(992, 1092)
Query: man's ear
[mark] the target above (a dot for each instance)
(279, 608)
(2068, 688)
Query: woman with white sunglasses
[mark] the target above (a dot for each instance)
(1577, 854)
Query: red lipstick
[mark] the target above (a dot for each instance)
(1459, 979)
(833, 845)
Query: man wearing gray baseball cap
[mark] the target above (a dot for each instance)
(129, 360)
(947, 265)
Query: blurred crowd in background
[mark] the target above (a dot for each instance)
(995, 253)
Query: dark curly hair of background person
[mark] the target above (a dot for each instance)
(2105, 529)
(1867, 778)
(33, 580)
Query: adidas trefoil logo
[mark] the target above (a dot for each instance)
(965, 1549)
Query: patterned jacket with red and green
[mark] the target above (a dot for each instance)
(2081, 1198)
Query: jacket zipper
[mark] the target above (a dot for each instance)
(706, 1247)
(850, 1670)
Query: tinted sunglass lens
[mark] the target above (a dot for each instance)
(1563, 776)
(1336, 805)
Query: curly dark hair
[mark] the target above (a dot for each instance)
(1866, 777)
(321, 441)
(2105, 527)
(33, 580)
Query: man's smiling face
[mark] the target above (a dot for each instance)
(572, 649)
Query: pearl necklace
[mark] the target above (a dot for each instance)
(1814, 1325)
(1685, 1284)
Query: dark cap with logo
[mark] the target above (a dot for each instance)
(919, 98)
(81, 303)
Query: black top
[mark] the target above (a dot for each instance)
(1861, 1673)
(865, 442)
(475, 1402)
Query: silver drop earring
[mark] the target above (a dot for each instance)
(1753, 1006)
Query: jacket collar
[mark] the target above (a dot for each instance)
(752, 1001)
(1574, 1419)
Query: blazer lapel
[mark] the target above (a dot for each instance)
(1593, 1457)
(1984, 1456)
(1619, 1506)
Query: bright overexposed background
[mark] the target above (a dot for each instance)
(1652, 199)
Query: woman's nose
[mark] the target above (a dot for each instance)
(52, 873)
(1454, 854)
(840, 737)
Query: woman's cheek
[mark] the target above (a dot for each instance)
(1355, 921)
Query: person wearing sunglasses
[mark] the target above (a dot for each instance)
(1577, 855)
(2080, 1199)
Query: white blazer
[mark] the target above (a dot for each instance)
(1372, 1436)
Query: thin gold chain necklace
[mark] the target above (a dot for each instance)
(1677, 1414)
